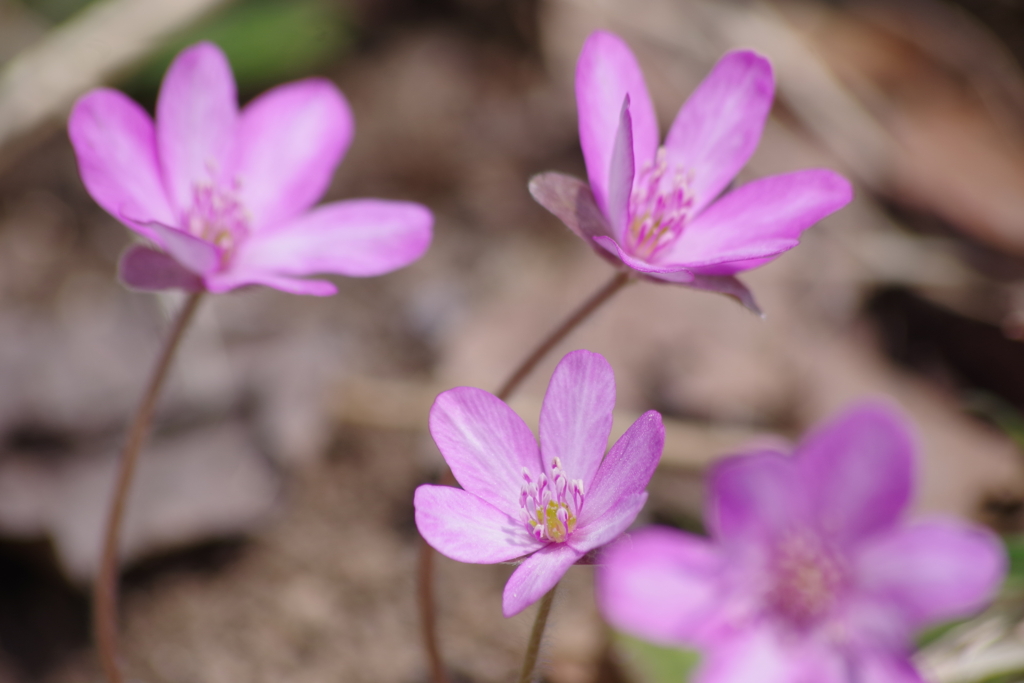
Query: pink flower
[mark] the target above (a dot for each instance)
(811, 574)
(653, 208)
(224, 195)
(555, 503)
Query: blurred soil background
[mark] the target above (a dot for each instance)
(271, 532)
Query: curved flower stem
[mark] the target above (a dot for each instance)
(536, 635)
(425, 581)
(105, 588)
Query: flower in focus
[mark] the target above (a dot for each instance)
(810, 574)
(653, 207)
(555, 503)
(224, 195)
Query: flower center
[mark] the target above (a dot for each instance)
(550, 503)
(807, 580)
(216, 216)
(659, 206)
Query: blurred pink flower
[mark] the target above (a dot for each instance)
(224, 195)
(558, 502)
(811, 575)
(653, 208)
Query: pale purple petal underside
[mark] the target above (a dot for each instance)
(194, 254)
(225, 281)
(571, 201)
(621, 173)
(485, 444)
(356, 237)
(291, 139)
(115, 146)
(465, 528)
(536, 576)
(718, 128)
(196, 121)
(661, 585)
(606, 73)
(147, 269)
(576, 416)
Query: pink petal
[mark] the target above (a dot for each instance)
(150, 270)
(606, 73)
(722, 284)
(761, 219)
(576, 417)
(221, 282)
(858, 471)
(536, 576)
(358, 238)
(763, 656)
(621, 173)
(463, 527)
(661, 585)
(572, 202)
(932, 571)
(115, 146)
(752, 497)
(194, 254)
(196, 121)
(880, 667)
(718, 128)
(291, 139)
(486, 445)
(625, 472)
(594, 532)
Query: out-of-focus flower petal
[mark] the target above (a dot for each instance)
(606, 73)
(221, 282)
(933, 570)
(290, 140)
(485, 444)
(196, 255)
(661, 585)
(760, 219)
(576, 417)
(760, 655)
(465, 528)
(752, 497)
(718, 128)
(857, 471)
(115, 146)
(626, 469)
(196, 121)
(147, 269)
(571, 201)
(357, 238)
(536, 576)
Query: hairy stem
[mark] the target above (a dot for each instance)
(536, 635)
(105, 589)
(428, 614)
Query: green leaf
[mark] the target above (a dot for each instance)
(267, 42)
(649, 663)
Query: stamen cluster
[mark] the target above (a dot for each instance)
(551, 504)
(659, 206)
(807, 579)
(217, 216)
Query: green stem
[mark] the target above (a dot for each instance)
(105, 589)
